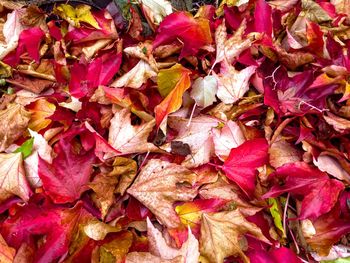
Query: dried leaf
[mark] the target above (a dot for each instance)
(159, 185)
(221, 234)
(13, 122)
(204, 91)
(12, 177)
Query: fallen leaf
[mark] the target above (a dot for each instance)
(159, 185)
(338, 123)
(331, 166)
(40, 110)
(31, 163)
(229, 48)
(225, 138)
(158, 246)
(145, 257)
(197, 136)
(66, 178)
(221, 234)
(76, 15)
(194, 33)
(244, 170)
(281, 152)
(233, 84)
(13, 122)
(155, 11)
(98, 230)
(137, 76)
(116, 249)
(126, 170)
(7, 254)
(12, 177)
(128, 138)
(318, 191)
(204, 91)
(172, 83)
(222, 189)
(12, 28)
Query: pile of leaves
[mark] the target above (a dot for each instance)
(139, 133)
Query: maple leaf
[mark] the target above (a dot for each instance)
(12, 177)
(40, 110)
(128, 138)
(57, 224)
(74, 16)
(172, 83)
(310, 183)
(233, 84)
(222, 189)
(221, 234)
(197, 136)
(190, 213)
(31, 163)
(97, 230)
(204, 91)
(243, 170)
(117, 181)
(155, 11)
(137, 76)
(281, 152)
(12, 28)
(13, 122)
(159, 185)
(229, 48)
(66, 178)
(194, 33)
(158, 246)
(228, 137)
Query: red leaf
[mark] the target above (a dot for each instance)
(243, 161)
(318, 191)
(263, 18)
(193, 32)
(55, 223)
(66, 178)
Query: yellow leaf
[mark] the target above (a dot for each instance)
(40, 111)
(74, 16)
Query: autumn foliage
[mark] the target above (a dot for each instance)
(141, 133)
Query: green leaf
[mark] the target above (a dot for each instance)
(338, 260)
(26, 148)
(276, 215)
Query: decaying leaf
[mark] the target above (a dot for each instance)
(12, 177)
(128, 138)
(13, 122)
(158, 246)
(159, 185)
(222, 234)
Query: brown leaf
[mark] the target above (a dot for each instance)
(7, 253)
(282, 152)
(159, 247)
(125, 169)
(159, 185)
(145, 257)
(98, 230)
(12, 177)
(197, 136)
(222, 233)
(35, 85)
(224, 190)
(115, 250)
(13, 123)
(338, 123)
(104, 188)
(128, 138)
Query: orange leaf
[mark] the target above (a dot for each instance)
(40, 109)
(172, 83)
